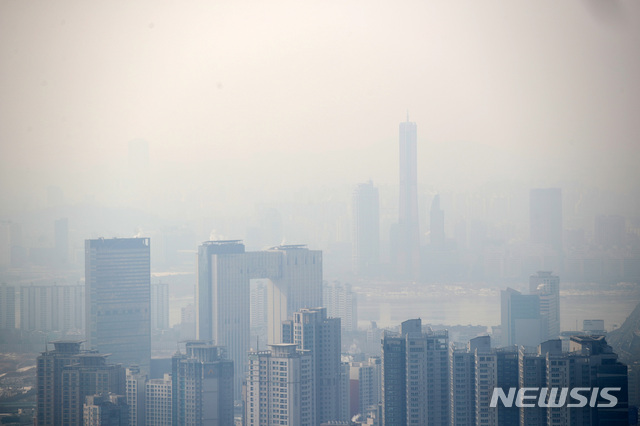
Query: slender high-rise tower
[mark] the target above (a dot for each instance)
(408, 243)
(117, 299)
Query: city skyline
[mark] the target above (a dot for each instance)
(243, 177)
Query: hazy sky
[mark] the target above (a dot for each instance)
(234, 95)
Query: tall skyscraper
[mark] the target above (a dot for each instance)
(223, 298)
(311, 330)
(547, 287)
(117, 299)
(366, 229)
(545, 218)
(280, 387)
(408, 239)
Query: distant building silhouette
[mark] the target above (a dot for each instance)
(520, 318)
(610, 231)
(341, 303)
(7, 306)
(366, 229)
(545, 218)
(52, 307)
(160, 306)
(117, 299)
(407, 240)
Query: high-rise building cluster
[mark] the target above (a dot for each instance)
(67, 380)
(302, 380)
(297, 374)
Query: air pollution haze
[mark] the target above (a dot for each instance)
(247, 100)
(467, 170)
(228, 118)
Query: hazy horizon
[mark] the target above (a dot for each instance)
(244, 102)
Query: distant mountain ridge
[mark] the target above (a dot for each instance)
(625, 340)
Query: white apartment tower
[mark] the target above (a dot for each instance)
(158, 401)
(280, 387)
(136, 383)
(311, 330)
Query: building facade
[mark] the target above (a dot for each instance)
(202, 386)
(311, 330)
(223, 298)
(117, 299)
(158, 402)
(7, 306)
(280, 387)
(159, 306)
(415, 376)
(52, 307)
